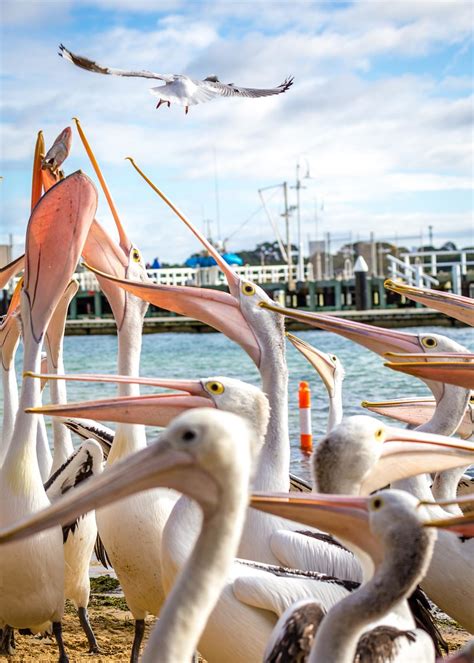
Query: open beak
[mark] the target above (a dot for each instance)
(146, 409)
(218, 309)
(407, 453)
(373, 338)
(55, 331)
(345, 517)
(157, 465)
(456, 306)
(7, 272)
(318, 359)
(416, 412)
(459, 373)
(56, 233)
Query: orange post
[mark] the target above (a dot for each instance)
(304, 398)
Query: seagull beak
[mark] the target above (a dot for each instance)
(373, 338)
(55, 331)
(55, 236)
(459, 373)
(146, 409)
(405, 453)
(345, 517)
(9, 271)
(456, 306)
(233, 280)
(319, 360)
(157, 465)
(213, 307)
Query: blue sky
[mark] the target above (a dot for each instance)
(381, 110)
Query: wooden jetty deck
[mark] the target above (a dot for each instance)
(394, 317)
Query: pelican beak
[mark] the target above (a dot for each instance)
(213, 307)
(319, 360)
(9, 271)
(157, 465)
(373, 338)
(460, 525)
(233, 280)
(55, 157)
(146, 409)
(56, 233)
(345, 517)
(456, 306)
(55, 331)
(10, 329)
(405, 453)
(37, 178)
(459, 373)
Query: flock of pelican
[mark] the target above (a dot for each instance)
(200, 526)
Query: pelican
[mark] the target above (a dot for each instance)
(9, 340)
(448, 582)
(178, 88)
(254, 591)
(32, 592)
(456, 306)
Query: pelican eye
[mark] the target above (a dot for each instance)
(429, 342)
(215, 387)
(136, 257)
(188, 436)
(377, 503)
(471, 399)
(333, 357)
(248, 289)
(379, 435)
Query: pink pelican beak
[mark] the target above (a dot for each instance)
(158, 465)
(146, 409)
(373, 338)
(405, 453)
(459, 373)
(37, 176)
(323, 363)
(55, 331)
(10, 330)
(344, 516)
(213, 307)
(417, 411)
(7, 272)
(456, 306)
(55, 235)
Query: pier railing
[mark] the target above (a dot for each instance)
(412, 274)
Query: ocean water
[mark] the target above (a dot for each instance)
(204, 355)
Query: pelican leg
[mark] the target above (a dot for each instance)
(58, 634)
(87, 628)
(7, 641)
(137, 640)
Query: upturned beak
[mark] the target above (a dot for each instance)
(55, 157)
(407, 453)
(55, 331)
(9, 271)
(343, 516)
(416, 412)
(318, 359)
(10, 330)
(459, 373)
(37, 177)
(373, 338)
(56, 233)
(157, 465)
(456, 306)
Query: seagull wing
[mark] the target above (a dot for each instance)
(230, 90)
(97, 68)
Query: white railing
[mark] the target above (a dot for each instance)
(413, 275)
(435, 265)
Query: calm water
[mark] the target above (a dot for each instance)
(204, 355)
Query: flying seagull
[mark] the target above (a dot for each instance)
(178, 88)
